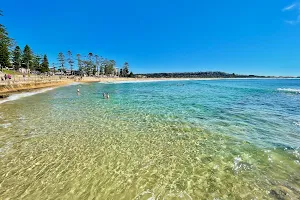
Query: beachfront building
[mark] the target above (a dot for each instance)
(52, 69)
(60, 73)
(116, 71)
(24, 70)
(68, 72)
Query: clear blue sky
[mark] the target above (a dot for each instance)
(246, 37)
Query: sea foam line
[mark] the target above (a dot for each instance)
(75, 83)
(292, 90)
(14, 97)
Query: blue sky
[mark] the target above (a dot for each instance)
(245, 37)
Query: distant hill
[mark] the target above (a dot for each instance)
(199, 75)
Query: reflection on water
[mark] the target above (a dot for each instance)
(150, 142)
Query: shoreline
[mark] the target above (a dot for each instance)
(7, 90)
(15, 88)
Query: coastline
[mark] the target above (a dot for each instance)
(8, 89)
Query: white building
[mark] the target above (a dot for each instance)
(24, 71)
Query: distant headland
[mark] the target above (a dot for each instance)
(207, 74)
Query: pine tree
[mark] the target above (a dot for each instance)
(102, 69)
(5, 42)
(45, 65)
(112, 66)
(70, 60)
(4, 38)
(97, 63)
(4, 55)
(27, 57)
(131, 75)
(79, 62)
(17, 57)
(36, 62)
(125, 69)
(61, 60)
(90, 66)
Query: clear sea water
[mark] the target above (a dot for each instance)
(216, 139)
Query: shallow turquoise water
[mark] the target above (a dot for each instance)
(222, 139)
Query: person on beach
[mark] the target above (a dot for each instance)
(5, 76)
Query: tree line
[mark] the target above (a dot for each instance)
(12, 55)
(92, 64)
(213, 74)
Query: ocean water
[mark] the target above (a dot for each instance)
(216, 139)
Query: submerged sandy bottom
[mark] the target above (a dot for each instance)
(58, 145)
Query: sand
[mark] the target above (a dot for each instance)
(20, 87)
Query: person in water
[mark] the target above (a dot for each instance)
(78, 92)
(105, 95)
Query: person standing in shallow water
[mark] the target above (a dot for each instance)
(105, 95)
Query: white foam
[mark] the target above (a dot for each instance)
(292, 90)
(14, 97)
(297, 123)
(75, 83)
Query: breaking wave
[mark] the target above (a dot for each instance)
(291, 90)
(14, 97)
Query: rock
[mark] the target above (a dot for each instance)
(2, 96)
(282, 193)
(278, 194)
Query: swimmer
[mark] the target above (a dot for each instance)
(78, 90)
(105, 95)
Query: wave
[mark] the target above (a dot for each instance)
(291, 90)
(75, 83)
(14, 97)
(297, 123)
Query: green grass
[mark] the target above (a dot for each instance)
(12, 72)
